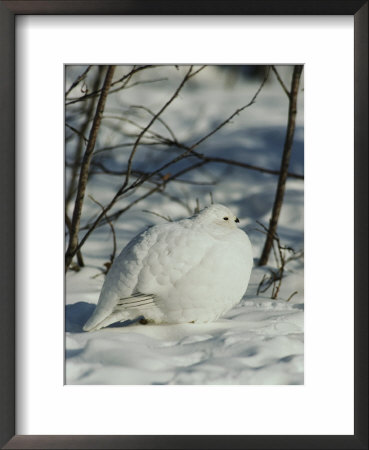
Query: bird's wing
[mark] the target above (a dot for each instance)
(117, 291)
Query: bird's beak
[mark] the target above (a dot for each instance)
(237, 220)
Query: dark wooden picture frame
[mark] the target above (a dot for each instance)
(8, 11)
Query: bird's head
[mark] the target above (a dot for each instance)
(218, 215)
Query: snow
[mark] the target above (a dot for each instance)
(260, 341)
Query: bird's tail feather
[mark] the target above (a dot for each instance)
(127, 308)
(135, 301)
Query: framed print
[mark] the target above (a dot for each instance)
(246, 380)
(186, 271)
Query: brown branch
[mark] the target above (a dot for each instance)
(68, 223)
(197, 71)
(154, 135)
(281, 82)
(138, 83)
(97, 92)
(176, 200)
(159, 119)
(190, 149)
(276, 275)
(78, 133)
(89, 109)
(131, 156)
(125, 144)
(132, 72)
(289, 298)
(251, 102)
(78, 80)
(231, 162)
(168, 219)
(139, 199)
(139, 173)
(284, 165)
(174, 141)
(158, 188)
(112, 256)
(73, 238)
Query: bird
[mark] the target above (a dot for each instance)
(188, 271)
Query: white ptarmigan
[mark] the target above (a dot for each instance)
(192, 270)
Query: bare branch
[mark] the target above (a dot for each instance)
(139, 199)
(276, 275)
(122, 145)
(112, 256)
(168, 219)
(251, 102)
(176, 200)
(131, 122)
(78, 80)
(159, 120)
(289, 298)
(130, 159)
(68, 223)
(88, 109)
(244, 165)
(281, 82)
(277, 206)
(77, 132)
(125, 77)
(73, 239)
(138, 83)
(197, 207)
(197, 71)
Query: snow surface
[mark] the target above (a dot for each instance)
(260, 341)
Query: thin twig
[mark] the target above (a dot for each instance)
(176, 200)
(139, 173)
(125, 144)
(134, 70)
(168, 219)
(137, 83)
(77, 132)
(68, 223)
(281, 82)
(210, 159)
(260, 284)
(211, 198)
(78, 80)
(197, 208)
(131, 122)
(289, 298)
(251, 102)
(197, 71)
(159, 120)
(245, 165)
(131, 156)
(97, 92)
(112, 256)
(157, 188)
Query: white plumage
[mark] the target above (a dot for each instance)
(192, 270)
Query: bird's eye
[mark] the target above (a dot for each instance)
(225, 218)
